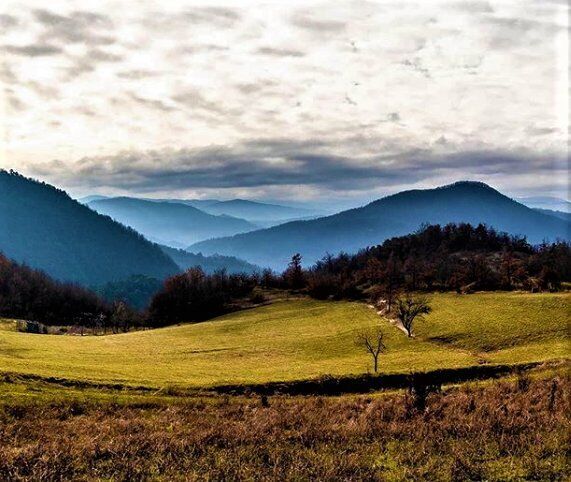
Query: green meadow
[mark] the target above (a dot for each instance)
(300, 339)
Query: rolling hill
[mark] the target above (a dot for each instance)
(300, 339)
(44, 228)
(171, 223)
(402, 213)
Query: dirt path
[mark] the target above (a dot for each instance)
(396, 323)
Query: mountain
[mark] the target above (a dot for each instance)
(170, 223)
(44, 228)
(209, 264)
(397, 215)
(256, 211)
(546, 202)
(88, 199)
(558, 214)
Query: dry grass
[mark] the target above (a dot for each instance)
(506, 430)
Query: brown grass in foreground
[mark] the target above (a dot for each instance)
(507, 430)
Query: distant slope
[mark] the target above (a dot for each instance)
(396, 215)
(256, 211)
(170, 223)
(209, 264)
(558, 214)
(88, 199)
(300, 339)
(46, 229)
(546, 202)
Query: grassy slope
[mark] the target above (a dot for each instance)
(301, 339)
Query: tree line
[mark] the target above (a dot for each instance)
(456, 257)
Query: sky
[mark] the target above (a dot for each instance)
(331, 103)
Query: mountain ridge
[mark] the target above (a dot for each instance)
(45, 228)
(171, 223)
(398, 214)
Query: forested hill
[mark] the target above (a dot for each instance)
(397, 215)
(44, 228)
(209, 264)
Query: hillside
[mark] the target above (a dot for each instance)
(558, 214)
(170, 223)
(209, 264)
(403, 213)
(46, 229)
(546, 202)
(256, 211)
(300, 339)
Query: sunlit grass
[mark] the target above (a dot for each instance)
(300, 339)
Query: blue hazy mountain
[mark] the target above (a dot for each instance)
(93, 197)
(44, 228)
(170, 223)
(396, 215)
(257, 211)
(209, 264)
(558, 214)
(546, 202)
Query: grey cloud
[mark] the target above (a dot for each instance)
(152, 103)
(276, 52)
(470, 6)
(305, 21)
(393, 117)
(33, 50)
(8, 21)
(541, 131)
(88, 62)
(211, 16)
(193, 99)
(416, 65)
(279, 162)
(137, 74)
(218, 15)
(41, 89)
(88, 28)
(13, 100)
(98, 55)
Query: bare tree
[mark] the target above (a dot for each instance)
(410, 308)
(372, 341)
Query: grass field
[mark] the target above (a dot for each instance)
(298, 339)
(496, 430)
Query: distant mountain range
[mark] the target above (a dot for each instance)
(547, 203)
(209, 264)
(44, 228)
(403, 213)
(257, 213)
(171, 223)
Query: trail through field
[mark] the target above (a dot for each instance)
(393, 321)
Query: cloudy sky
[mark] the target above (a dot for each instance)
(337, 102)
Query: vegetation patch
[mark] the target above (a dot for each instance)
(505, 430)
(300, 339)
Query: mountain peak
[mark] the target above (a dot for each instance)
(468, 184)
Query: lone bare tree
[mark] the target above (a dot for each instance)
(372, 341)
(410, 308)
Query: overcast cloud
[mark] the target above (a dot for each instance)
(340, 101)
